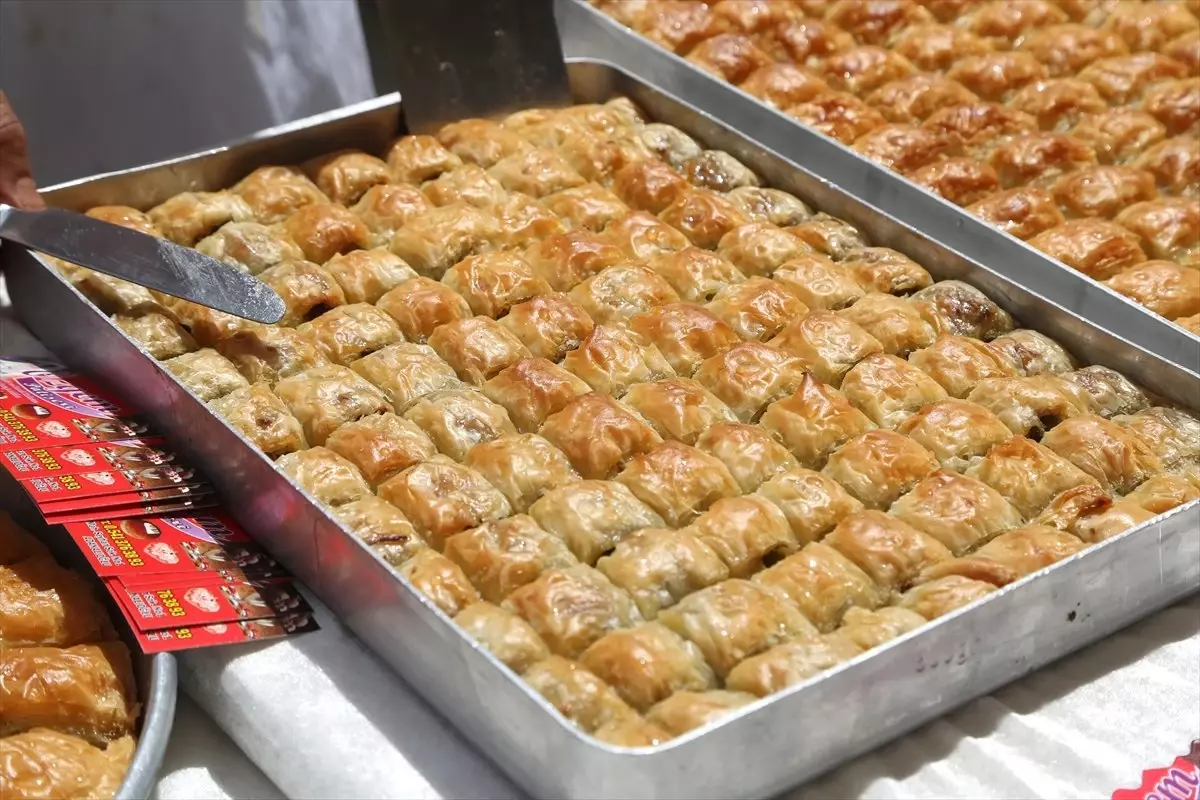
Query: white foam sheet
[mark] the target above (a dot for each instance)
(322, 717)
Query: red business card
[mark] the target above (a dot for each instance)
(131, 454)
(194, 544)
(175, 506)
(173, 603)
(219, 633)
(41, 408)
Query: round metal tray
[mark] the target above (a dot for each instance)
(157, 683)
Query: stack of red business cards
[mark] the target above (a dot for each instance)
(90, 464)
(184, 582)
(81, 455)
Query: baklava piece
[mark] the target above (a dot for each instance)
(696, 275)
(590, 206)
(777, 207)
(823, 584)
(981, 126)
(891, 552)
(513, 642)
(598, 435)
(935, 48)
(480, 141)
(704, 217)
(1118, 457)
(440, 580)
(961, 180)
(1175, 163)
(367, 275)
(958, 433)
(943, 595)
(45, 605)
(207, 373)
(565, 260)
(268, 353)
(1028, 474)
(470, 184)
(911, 100)
(1059, 104)
(1023, 212)
(250, 246)
(868, 629)
(477, 348)
(592, 517)
(46, 763)
(442, 498)
(757, 308)
(155, 330)
(125, 217)
(788, 664)
(831, 236)
(1011, 556)
(1097, 248)
(814, 421)
(416, 159)
(524, 467)
(438, 239)
(407, 372)
(583, 699)
(963, 310)
(347, 333)
(385, 209)
(1033, 353)
(1119, 135)
(533, 389)
(734, 620)
(895, 322)
(958, 511)
(685, 334)
(458, 419)
(820, 283)
(420, 305)
(648, 663)
(501, 557)
(612, 359)
(112, 295)
(685, 711)
(1161, 286)
(749, 376)
(889, 390)
(322, 230)
(660, 567)
(329, 478)
(324, 398)
(492, 283)
(649, 185)
(346, 176)
(678, 408)
(1169, 228)
(1067, 48)
(878, 466)
(573, 607)
(641, 236)
(43, 687)
(839, 115)
(618, 293)
(747, 533)
(381, 445)
(188, 217)
(677, 481)
(1031, 406)
(729, 56)
(275, 193)
(262, 418)
(1111, 392)
(308, 290)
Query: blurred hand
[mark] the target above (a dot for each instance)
(17, 187)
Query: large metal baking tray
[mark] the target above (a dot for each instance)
(776, 743)
(588, 32)
(157, 676)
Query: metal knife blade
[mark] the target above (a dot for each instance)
(138, 258)
(455, 59)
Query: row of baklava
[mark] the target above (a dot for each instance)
(68, 708)
(685, 415)
(1068, 127)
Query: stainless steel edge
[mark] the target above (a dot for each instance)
(776, 743)
(588, 32)
(159, 693)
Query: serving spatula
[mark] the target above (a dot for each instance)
(139, 258)
(454, 59)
